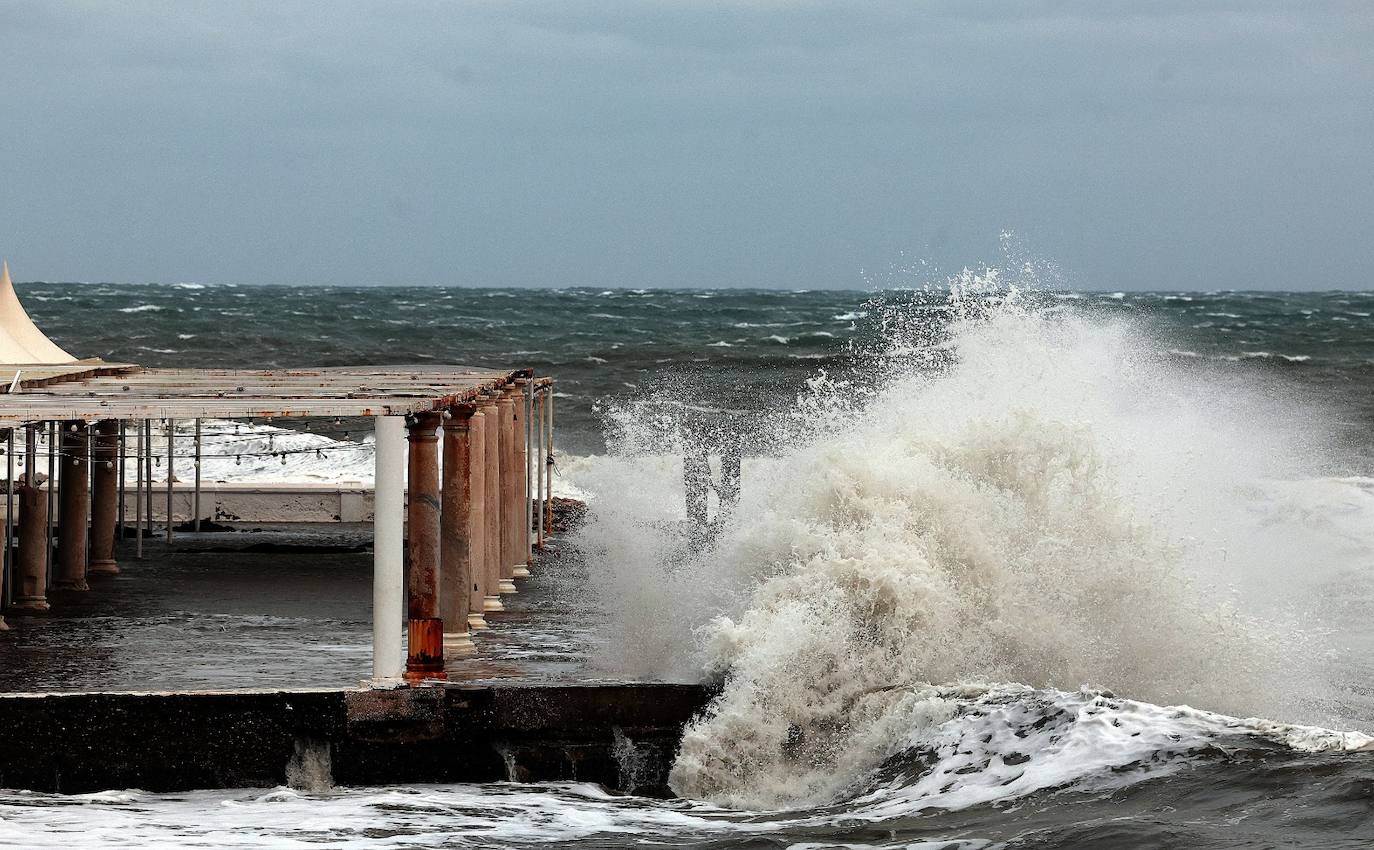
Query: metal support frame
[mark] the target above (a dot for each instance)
(53, 484)
(538, 464)
(548, 461)
(171, 479)
(195, 501)
(120, 452)
(9, 517)
(138, 492)
(148, 472)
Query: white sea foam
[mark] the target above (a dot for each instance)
(1030, 495)
(1006, 741)
(963, 747)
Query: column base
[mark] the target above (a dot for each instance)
(476, 622)
(103, 568)
(425, 653)
(506, 585)
(30, 603)
(492, 603)
(71, 585)
(521, 571)
(458, 643)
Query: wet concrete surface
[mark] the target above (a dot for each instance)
(274, 608)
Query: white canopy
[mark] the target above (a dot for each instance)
(21, 342)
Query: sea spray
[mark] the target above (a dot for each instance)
(1022, 493)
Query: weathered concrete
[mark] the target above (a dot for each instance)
(621, 736)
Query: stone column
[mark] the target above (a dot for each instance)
(424, 628)
(520, 464)
(477, 519)
(510, 520)
(455, 521)
(31, 560)
(492, 538)
(388, 548)
(69, 573)
(104, 498)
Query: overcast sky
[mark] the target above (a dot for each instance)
(1191, 144)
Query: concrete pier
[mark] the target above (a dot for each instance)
(466, 539)
(104, 498)
(74, 492)
(425, 629)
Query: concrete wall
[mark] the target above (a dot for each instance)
(621, 736)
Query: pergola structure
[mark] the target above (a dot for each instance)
(465, 536)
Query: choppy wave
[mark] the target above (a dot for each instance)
(984, 749)
(1024, 495)
(1130, 502)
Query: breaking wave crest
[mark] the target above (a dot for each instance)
(1023, 492)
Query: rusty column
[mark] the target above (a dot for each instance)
(455, 519)
(104, 498)
(477, 518)
(492, 515)
(509, 506)
(425, 629)
(520, 466)
(72, 516)
(31, 573)
(547, 461)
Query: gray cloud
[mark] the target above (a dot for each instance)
(1204, 144)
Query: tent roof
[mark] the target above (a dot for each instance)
(20, 339)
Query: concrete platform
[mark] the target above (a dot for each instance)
(283, 608)
(235, 659)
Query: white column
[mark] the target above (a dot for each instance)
(388, 574)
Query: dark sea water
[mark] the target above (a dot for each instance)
(742, 347)
(985, 559)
